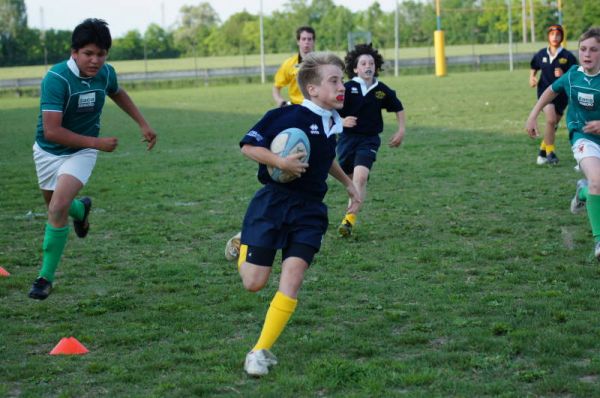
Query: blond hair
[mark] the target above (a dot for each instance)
(310, 69)
(591, 32)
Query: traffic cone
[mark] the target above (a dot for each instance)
(69, 346)
(4, 273)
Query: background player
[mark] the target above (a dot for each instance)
(553, 62)
(286, 74)
(67, 143)
(365, 99)
(582, 85)
(291, 216)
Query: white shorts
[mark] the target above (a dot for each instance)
(48, 166)
(584, 148)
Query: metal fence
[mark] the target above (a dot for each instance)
(253, 71)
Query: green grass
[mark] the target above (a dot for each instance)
(467, 276)
(157, 65)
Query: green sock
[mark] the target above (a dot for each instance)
(54, 244)
(583, 193)
(77, 209)
(593, 210)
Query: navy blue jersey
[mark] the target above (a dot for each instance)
(311, 183)
(544, 62)
(367, 106)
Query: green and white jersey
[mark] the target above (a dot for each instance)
(80, 99)
(583, 91)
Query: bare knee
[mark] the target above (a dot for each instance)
(253, 285)
(251, 280)
(594, 186)
(58, 210)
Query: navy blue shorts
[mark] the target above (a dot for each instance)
(278, 218)
(357, 150)
(560, 103)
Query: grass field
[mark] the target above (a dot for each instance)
(467, 275)
(159, 65)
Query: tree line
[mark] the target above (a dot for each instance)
(200, 32)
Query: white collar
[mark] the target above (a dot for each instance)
(553, 57)
(72, 65)
(326, 115)
(580, 69)
(363, 85)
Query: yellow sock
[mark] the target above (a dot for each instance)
(550, 148)
(542, 146)
(281, 309)
(242, 257)
(351, 218)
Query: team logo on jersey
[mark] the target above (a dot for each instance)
(545, 60)
(314, 129)
(562, 61)
(379, 95)
(85, 82)
(255, 135)
(86, 102)
(354, 90)
(586, 100)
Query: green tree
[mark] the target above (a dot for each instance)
(196, 24)
(579, 16)
(238, 35)
(13, 24)
(130, 46)
(159, 43)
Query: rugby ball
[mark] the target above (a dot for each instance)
(288, 142)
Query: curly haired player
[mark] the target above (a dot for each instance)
(365, 99)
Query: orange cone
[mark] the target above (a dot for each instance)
(4, 272)
(69, 346)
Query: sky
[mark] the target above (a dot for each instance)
(125, 15)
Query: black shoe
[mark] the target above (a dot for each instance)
(345, 229)
(41, 289)
(552, 158)
(82, 227)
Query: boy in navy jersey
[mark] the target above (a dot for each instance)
(67, 143)
(552, 62)
(291, 216)
(365, 98)
(581, 84)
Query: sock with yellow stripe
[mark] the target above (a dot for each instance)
(350, 218)
(281, 309)
(542, 146)
(550, 148)
(77, 210)
(242, 256)
(593, 210)
(55, 240)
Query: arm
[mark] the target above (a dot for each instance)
(531, 125)
(592, 127)
(349, 121)
(122, 99)
(398, 136)
(55, 132)
(533, 77)
(290, 164)
(336, 172)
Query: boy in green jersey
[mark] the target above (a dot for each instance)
(67, 142)
(582, 86)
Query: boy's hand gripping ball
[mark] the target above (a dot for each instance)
(288, 142)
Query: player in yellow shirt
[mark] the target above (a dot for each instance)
(286, 74)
